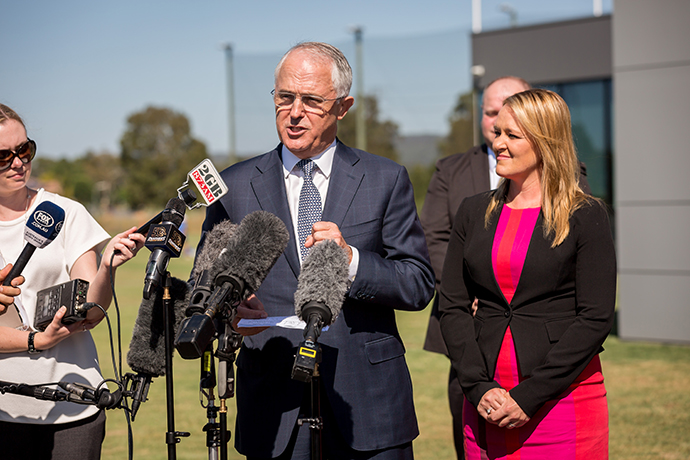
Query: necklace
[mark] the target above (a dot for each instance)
(28, 199)
(26, 207)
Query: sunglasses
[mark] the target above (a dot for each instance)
(25, 152)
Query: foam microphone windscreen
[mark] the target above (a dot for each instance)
(323, 278)
(250, 254)
(146, 353)
(214, 242)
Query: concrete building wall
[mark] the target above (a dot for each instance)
(645, 48)
(651, 77)
(560, 52)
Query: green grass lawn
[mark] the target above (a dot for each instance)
(649, 401)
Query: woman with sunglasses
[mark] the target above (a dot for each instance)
(31, 428)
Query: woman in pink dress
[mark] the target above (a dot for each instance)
(538, 256)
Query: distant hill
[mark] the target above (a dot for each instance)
(417, 150)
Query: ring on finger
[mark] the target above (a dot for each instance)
(511, 425)
(488, 411)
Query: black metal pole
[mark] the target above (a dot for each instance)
(223, 366)
(171, 436)
(316, 425)
(229, 342)
(223, 430)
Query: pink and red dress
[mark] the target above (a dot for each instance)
(571, 427)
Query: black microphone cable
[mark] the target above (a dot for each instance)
(118, 370)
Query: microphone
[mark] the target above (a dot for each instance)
(214, 243)
(188, 196)
(146, 355)
(207, 180)
(321, 288)
(164, 240)
(238, 271)
(42, 227)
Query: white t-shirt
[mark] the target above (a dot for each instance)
(75, 358)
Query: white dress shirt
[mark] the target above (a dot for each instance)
(493, 177)
(294, 177)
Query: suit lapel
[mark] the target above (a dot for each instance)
(274, 199)
(491, 235)
(346, 178)
(538, 249)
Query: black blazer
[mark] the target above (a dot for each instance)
(457, 177)
(562, 310)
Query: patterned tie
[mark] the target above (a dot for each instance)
(309, 210)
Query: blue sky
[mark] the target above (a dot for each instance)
(76, 69)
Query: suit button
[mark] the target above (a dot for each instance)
(506, 314)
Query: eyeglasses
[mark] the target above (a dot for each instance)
(311, 103)
(25, 152)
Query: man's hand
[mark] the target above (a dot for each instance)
(252, 308)
(327, 231)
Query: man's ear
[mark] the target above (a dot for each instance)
(344, 106)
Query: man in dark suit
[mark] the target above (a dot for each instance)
(456, 178)
(368, 209)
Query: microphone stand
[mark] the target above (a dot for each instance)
(40, 392)
(207, 382)
(217, 435)
(74, 392)
(315, 420)
(229, 342)
(306, 369)
(172, 437)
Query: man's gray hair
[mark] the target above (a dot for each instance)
(341, 74)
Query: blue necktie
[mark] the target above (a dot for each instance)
(309, 210)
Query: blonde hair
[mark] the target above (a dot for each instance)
(544, 119)
(7, 113)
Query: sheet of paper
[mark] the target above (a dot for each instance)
(286, 322)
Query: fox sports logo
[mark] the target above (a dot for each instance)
(43, 218)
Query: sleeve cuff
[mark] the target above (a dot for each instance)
(354, 265)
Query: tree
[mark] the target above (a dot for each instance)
(420, 176)
(158, 150)
(380, 134)
(81, 178)
(460, 137)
